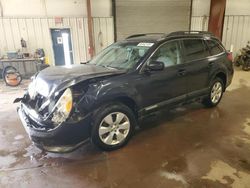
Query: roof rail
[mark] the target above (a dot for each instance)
(144, 34)
(190, 32)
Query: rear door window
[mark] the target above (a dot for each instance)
(195, 49)
(214, 47)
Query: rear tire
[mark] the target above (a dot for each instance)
(112, 127)
(215, 93)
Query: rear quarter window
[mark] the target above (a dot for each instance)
(215, 47)
(195, 49)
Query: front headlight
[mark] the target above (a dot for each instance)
(63, 107)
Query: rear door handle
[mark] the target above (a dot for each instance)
(181, 72)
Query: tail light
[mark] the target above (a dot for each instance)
(230, 56)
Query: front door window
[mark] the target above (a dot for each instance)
(168, 53)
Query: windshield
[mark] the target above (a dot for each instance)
(121, 55)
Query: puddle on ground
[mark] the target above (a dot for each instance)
(175, 165)
(36, 154)
(172, 169)
(246, 126)
(225, 174)
(243, 141)
(6, 161)
(173, 176)
(239, 80)
(19, 137)
(16, 143)
(33, 153)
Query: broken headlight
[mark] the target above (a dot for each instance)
(63, 107)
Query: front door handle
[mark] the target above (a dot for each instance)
(181, 72)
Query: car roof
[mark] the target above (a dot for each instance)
(157, 37)
(145, 37)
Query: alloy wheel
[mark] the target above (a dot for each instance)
(114, 128)
(216, 92)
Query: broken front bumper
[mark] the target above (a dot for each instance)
(64, 138)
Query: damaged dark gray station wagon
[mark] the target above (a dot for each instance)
(105, 99)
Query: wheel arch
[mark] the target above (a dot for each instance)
(125, 100)
(128, 102)
(223, 77)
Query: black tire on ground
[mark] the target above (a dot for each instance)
(237, 61)
(246, 65)
(1, 73)
(208, 102)
(99, 116)
(11, 70)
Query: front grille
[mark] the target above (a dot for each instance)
(34, 124)
(36, 104)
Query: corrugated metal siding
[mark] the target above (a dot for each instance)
(103, 32)
(236, 31)
(199, 23)
(147, 16)
(236, 27)
(36, 31)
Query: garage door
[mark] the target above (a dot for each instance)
(150, 16)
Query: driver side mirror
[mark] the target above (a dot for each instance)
(155, 65)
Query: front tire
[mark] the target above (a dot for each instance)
(215, 93)
(113, 126)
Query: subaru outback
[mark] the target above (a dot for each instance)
(104, 99)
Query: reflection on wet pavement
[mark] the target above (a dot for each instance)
(225, 174)
(187, 147)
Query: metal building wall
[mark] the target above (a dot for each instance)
(199, 23)
(147, 16)
(36, 31)
(236, 22)
(200, 15)
(103, 33)
(236, 31)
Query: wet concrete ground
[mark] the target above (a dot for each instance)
(188, 147)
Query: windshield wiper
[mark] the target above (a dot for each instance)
(86, 62)
(108, 67)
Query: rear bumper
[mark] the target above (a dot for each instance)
(229, 79)
(65, 138)
(230, 76)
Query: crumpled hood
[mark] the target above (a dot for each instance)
(57, 78)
